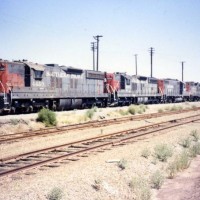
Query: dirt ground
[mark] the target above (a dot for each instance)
(185, 186)
(76, 180)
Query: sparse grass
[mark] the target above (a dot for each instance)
(183, 161)
(55, 194)
(193, 106)
(97, 184)
(195, 134)
(146, 106)
(47, 117)
(133, 109)
(186, 142)
(195, 150)
(141, 188)
(163, 152)
(95, 109)
(154, 161)
(123, 112)
(146, 153)
(167, 108)
(90, 113)
(172, 169)
(174, 108)
(82, 118)
(157, 179)
(179, 108)
(14, 121)
(122, 164)
(180, 163)
(160, 110)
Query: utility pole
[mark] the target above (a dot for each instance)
(182, 63)
(135, 64)
(151, 50)
(97, 39)
(93, 47)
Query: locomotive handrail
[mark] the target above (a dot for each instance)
(10, 91)
(4, 91)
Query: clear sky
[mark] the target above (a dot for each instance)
(60, 31)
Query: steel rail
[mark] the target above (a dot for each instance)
(90, 124)
(113, 142)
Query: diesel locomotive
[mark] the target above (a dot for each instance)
(27, 87)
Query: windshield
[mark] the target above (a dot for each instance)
(2, 68)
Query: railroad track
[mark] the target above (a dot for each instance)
(90, 124)
(57, 155)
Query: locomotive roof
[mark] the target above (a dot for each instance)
(35, 66)
(144, 77)
(71, 70)
(171, 79)
(124, 75)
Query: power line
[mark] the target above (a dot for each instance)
(151, 50)
(93, 47)
(97, 39)
(135, 64)
(182, 64)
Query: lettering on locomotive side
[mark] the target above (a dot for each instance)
(56, 74)
(38, 84)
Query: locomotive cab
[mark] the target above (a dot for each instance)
(5, 93)
(111, 87)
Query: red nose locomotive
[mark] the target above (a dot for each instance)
(26, 86)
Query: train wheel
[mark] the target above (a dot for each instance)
(94, 105)
(83, 106)
(13, 110)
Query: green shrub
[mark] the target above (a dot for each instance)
(167, 108)
(14, 121)
(142, 107)
(139, 111)
(95, 109)
(132, 110)
(47, 117)
(183, 161)
(173, 108)
(195, 134)
(195, 150)
(55, 194)
(141, 188)
(123, 112)
(193, 106)
(185, 142)
(162, 152)
(122, 164)
(172, 169)
(160, 110)
(146, 153)
(90, 113)
(154, 161)
(157, 179)
(180, 163)
(179, 108)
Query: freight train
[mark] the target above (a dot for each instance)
(28, 87)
